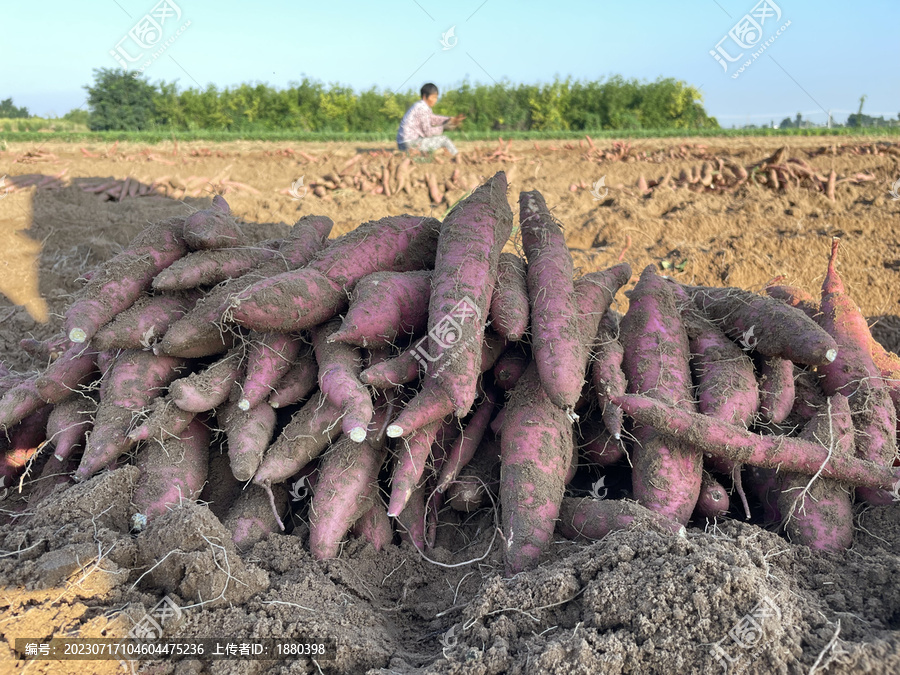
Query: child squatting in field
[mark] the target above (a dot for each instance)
(421, 129)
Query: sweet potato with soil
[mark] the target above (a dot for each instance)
(809, 398)
(69, 423)
(213, 228)
(270, 356)
(593, 519)
(536, 452)
(463, 449)
(171, 473)
(222, 489)
(121, 280)
(713, 501)
(374, 525)
(304, 298)
(145, 321)
(480, 476)
(249, 433)
(25, 440)
(206, 389)
(820, 514)
(207, 268)
(250, 517)
(667, 474)
(19, 402)
(510, 367)
(776, 389)
(200, 333)
(411, 520)
(297, 383)
(607, 378)
(770, 326)
(465, 274)
(787, 453)
(346, 487)
(60, 380)
(384, 307)
(339, 368)
(854, 375)
(165, 420)
(555, 335)
(412, 455)
(596, 445)
(510, 309)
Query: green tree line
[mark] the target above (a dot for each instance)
(123, 101)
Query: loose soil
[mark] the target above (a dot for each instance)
(637, 602)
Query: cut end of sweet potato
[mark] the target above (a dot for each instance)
(831, 355)
(394, 431)
(78, 335)
(358, 434)
(244, 404)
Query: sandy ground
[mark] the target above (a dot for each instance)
(637, 602)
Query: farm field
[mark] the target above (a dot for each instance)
(703, 210)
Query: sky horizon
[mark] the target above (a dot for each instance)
(811, 57)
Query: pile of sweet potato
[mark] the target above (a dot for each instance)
(411, 366)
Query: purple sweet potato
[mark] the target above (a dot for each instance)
(667, 474)
(536, 452)
(384, 307)
(303, 298)
(339, 368)
(713, 501)
(510, 367)
(249, 433)
(809, 398)
(62, 377)
(19, 402)
(480, 477)
(250, 517)
(213, 228)
(164, 420)
(555, 334)
(346, 488)
(68, 424)
(374, 525)
(145, 321)
(465, 273)
(727, 440)
(210, 267)
(207, 389)
(297, 383)
(270, 356)
(123, 278)
(510, 309)
(607, 378)
(171, 473)
(596, 445)
(819, 514)
(411, 520)
(853, 374)
(593, 519)
(463, 449)
(776, 389)
(770, 326)
(199, 333)
(411, 457)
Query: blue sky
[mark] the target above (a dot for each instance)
(830, 54)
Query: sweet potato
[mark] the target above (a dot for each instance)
(210, 267)
(776, 389)
(25, 441)
(123, 278)
(465, 273)
(19, 402)
(463, 449)
(727, 440)
(510, 367)
(809, 398)
(820, 514)
(854, 375)
(536, 451)
(207, 389)
(61, 378)
(68, 424)
(411, 457)
(607, 378)
(667, 474)
(270, 356)
(297, 383)
(595, 518)
(713, 500)
(339, 368)
(222, 489)
(795, 297)
(250, 517)
(596, 445)
(345, 490)
(213, 228)
(510, 311)
(303, 298)
(164, 420)
(171, 473)
(555, 342)
(249, 433)
(385, 306)
(199, 333)
(481, 475)
(374, 525)
(145, 321)
(770, 326)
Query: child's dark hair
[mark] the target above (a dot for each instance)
(428, 89)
